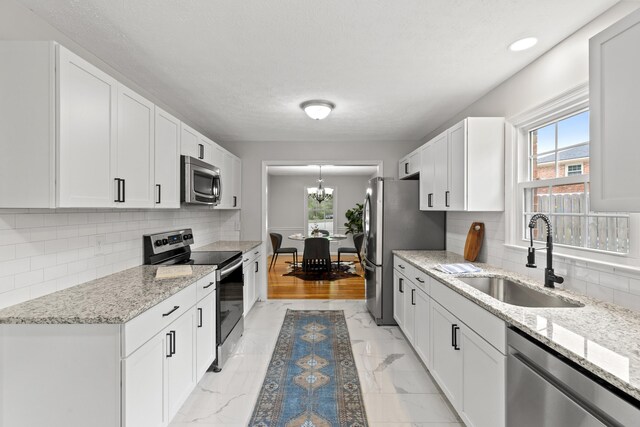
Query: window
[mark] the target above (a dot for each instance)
(574, 169)
(558, 185)
(320, 214)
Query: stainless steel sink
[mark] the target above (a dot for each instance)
(516, 294)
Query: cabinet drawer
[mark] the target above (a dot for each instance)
(142, 328)
(206, 285)
(485, 324)
(403, 267)
(421, 280)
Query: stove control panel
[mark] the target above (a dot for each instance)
(163, 242)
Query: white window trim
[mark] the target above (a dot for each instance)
(306, 210)
(517, 173)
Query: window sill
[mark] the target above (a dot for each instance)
(586, 259)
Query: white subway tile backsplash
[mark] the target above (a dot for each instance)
(43, 250)
(613, 281)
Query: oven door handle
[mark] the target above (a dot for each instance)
(228, 270)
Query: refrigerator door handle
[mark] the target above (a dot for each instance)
(366, 265)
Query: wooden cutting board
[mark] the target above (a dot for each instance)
(472, 246)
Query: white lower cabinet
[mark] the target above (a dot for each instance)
(180, 366)
(252, 270)
(205, 334)
(469, 369)
(143, 377)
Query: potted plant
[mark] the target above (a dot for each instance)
(354, 219)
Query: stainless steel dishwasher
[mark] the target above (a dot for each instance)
(546, 389)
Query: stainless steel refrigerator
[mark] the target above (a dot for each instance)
(392, 220)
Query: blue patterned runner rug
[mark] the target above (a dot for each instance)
(312, 379)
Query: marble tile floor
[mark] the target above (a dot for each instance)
(397, 389)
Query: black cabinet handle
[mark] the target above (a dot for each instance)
(401, 266)
(173, 342)
(123, 191)
(406, 167)
(175, 307)
(209, 285)
(419, 280)
(159, 194)
(169, 339)
(413, 295)
(454, 336)
(199, 318)
(200, 151)
(446, 198)
(118, 195)
(235, 201)
(256, 266)
(401, 285)
(430, 200)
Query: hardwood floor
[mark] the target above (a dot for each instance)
(289, 287)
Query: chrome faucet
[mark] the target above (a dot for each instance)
(549, 276)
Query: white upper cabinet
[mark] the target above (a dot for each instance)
(462, 169)
(135, 150)
(167, 160)
(27, 108)
(190, 144)
(215, 156)
(87, 132)
(409, 165)
(237, 182)
(614, 67)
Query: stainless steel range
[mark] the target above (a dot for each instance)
(174, 247)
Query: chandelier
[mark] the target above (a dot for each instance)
(321, 194)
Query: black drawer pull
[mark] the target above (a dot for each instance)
(209, 285)
(401, 285)
(419, 280)
(175, 307)
(413, 299)
(454, 336)
(401, 266)
(199, 318)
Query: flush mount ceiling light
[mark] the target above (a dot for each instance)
(523, 44)
(317, 109)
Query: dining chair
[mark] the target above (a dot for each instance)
(316, 255)
(276, 243)
(357, 242)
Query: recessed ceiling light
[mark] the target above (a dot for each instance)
(523, 44)
(317, 109)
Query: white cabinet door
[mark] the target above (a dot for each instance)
(403, 167)
(398, 298)
(422, 335)
(87, 133)
(167, 160)
(225, 163)
(143, 385)
(440, 171)
(205, 334)
(455, 195)
(216, 157)
(180, 372)
(446, 361)
(483, 385)
(614, 66)
(135, 149)
(190, 144)
(237, 183)
(409, 310)
(427, 177)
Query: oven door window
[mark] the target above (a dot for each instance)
(230, 300)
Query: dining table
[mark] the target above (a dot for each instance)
(331, 237)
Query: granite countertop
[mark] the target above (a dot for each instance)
(113, 299)
(230, 245)
(601, 337)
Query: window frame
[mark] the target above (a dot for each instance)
(517, 178)
(306, 207)
(568, 165)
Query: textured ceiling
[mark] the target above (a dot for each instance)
(327, 170)
(396, 69)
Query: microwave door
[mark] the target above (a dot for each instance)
(205, 185)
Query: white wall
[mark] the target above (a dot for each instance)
(17, 22)
(557, 71)
(286, 204)
(254, 153)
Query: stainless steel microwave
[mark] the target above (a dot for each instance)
(200, 182)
